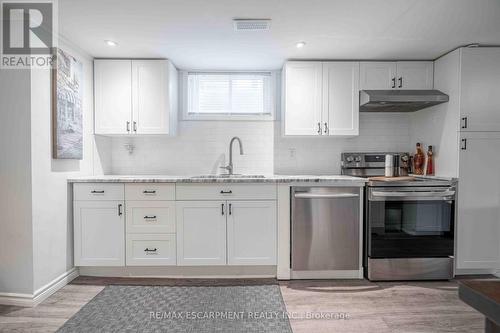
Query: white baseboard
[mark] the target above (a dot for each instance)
(31, 300)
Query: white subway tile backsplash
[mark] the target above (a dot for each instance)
(201, 147)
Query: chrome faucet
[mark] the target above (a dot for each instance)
(229, 167)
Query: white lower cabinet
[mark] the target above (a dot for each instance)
(201, 233)
(251, 233)
(99, 233)
(151, 249)
(478, 218)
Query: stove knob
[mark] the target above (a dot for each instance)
(349, 159)
(357, 159)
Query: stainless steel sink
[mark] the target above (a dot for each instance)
(228, 176)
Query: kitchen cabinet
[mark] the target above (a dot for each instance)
(112, 96)
(321, 98)
(302, 97)
(340, 98)
(478, 213)
(385, 75)
(251, 233)
(201, 233)
(151, 250)
(99, 233)
(135, 97)
(479, 89)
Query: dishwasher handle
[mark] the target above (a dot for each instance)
(307, 195)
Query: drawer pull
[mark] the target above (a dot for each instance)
(150, 250)
(226, 192)
(97, 192)
(147, 217)
(149, 192)
(120, 213)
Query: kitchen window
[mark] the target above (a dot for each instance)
(229, 95)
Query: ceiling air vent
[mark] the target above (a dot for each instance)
(251, 24)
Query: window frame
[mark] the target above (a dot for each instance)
(227, 116)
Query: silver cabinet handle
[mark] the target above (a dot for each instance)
(319, 128)
(325, 196)
(393, 82)
(128, 126)
(464, 122)
(326, 128)
(135, 126)
(400, 82)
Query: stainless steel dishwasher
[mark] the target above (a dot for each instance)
(325, 233)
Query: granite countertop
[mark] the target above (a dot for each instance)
(211, 179)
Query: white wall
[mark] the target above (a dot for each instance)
(52, 221)
(16, 249)
(439, 125)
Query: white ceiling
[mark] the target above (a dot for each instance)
(198, 34)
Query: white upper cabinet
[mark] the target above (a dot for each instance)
(341, 98)
(302, 85)
(321, 98)
(384, 75)
(415, 75)
(377, 75)
(135, 97)
(113, 96)
(479, 89)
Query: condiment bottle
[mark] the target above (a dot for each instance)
(418, 161)
(430, 162)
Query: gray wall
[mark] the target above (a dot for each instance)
(16, 236)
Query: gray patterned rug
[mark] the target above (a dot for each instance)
(183, 309)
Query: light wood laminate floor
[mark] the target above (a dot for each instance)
(371, 307)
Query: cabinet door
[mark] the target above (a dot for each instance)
(415, 75)
(478, 218)
(341, 98)
(150, 96)
(99, 232)
(113, 96)
(480, 88)
(201, 233)
(302, 98)
(377, 75)
(251, 233)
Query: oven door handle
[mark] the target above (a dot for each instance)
(306, 195)
(408, 195)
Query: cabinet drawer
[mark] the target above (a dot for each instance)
(151, 250)
(98, 191)
(150, 191)
(150, 216)
(226, 191)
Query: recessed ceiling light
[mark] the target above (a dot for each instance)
(300, 45)
(110, 43)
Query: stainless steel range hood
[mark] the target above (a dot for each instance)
(399, 100)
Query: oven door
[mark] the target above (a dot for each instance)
(410, 222)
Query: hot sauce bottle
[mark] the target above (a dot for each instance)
(430, 162)
(418, 161)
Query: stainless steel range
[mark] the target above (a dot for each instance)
(409, 222)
